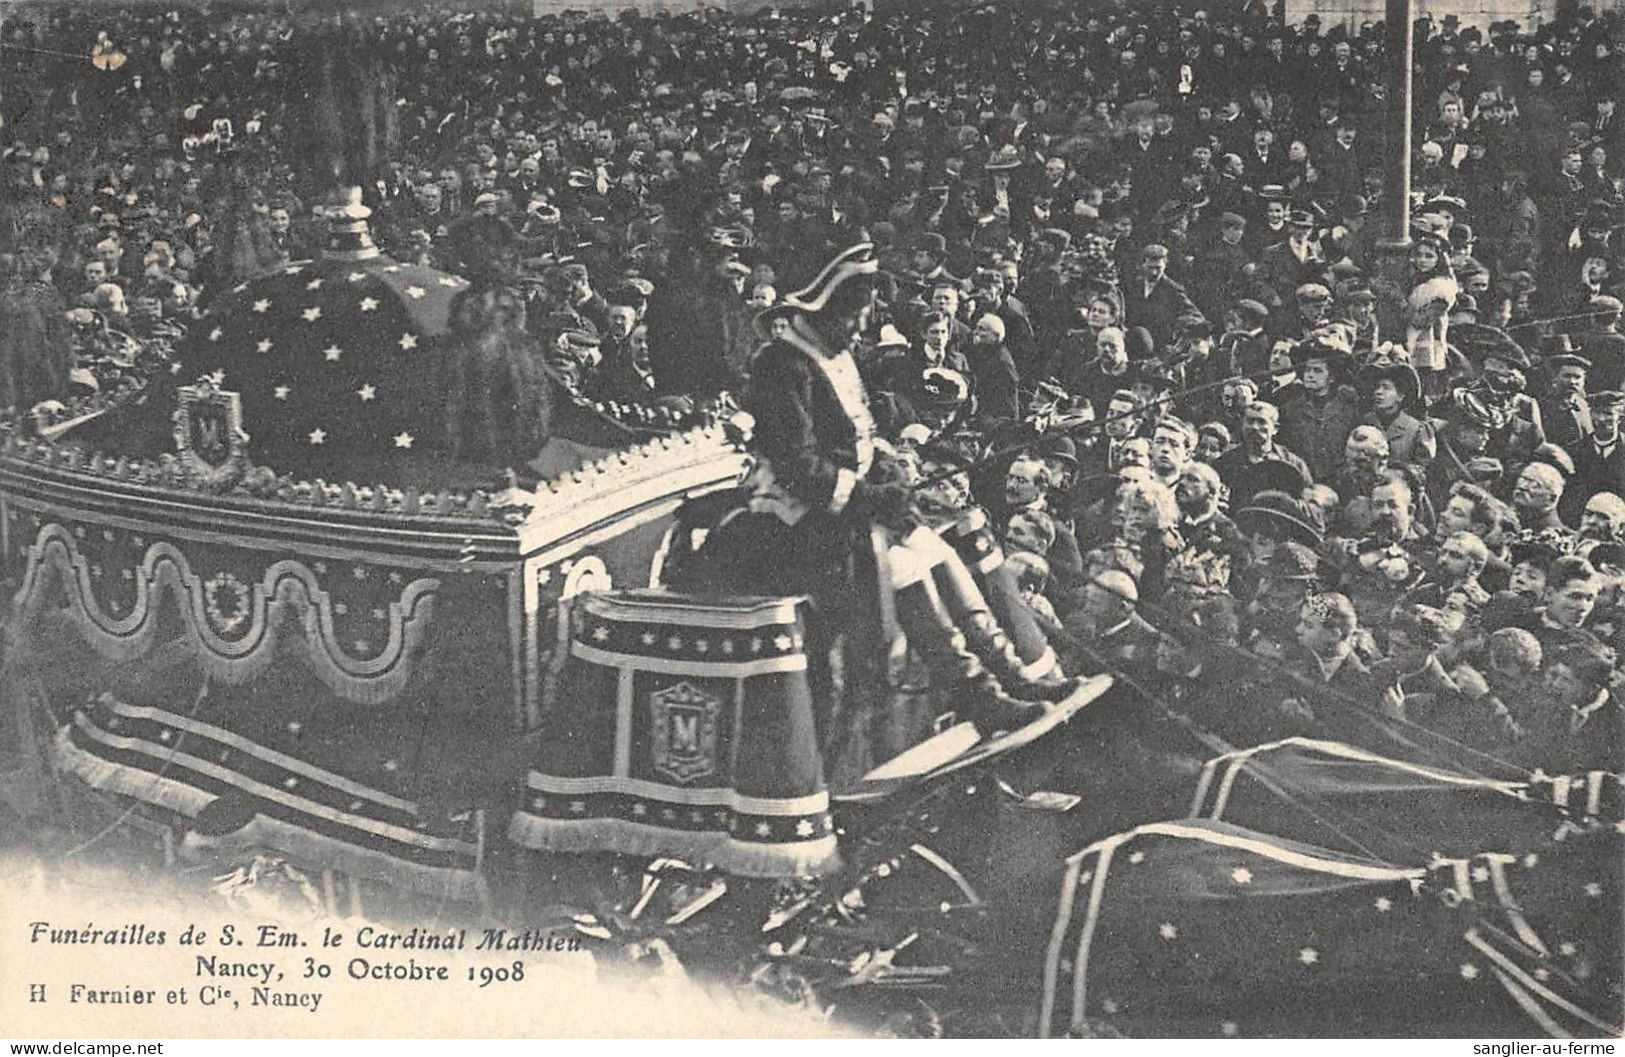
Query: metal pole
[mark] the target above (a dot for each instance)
(1394, 238)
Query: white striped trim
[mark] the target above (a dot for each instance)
(795, 662)
(845, 482)
(1503, 891)
(623, 723)
(714, 796)
(266, 792)
(258, 751)
(1512, 969)
(1052, 957)
(1527, 1003)
(1105, 849)
(1086, 936)
(1241, 757)
(734, 614)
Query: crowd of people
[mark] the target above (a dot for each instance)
(1134, 306)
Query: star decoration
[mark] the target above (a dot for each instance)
(366, 392)
(369, 304)
(701, 646)
(214, 335)
(1383, 904)
(1566, 949)
(416, 292)
(696, 816)
(1481, 874)
(280, 392)
(539, 803)
(1168, 930)
(321, 568)
(756, 645)
(763, 829)
(314, 284)
(262, 305)
(1469, 971)
(1109, 1005)
(728, 646)
(781, 641)
(804, 828)
(318, 436)
(600, 634)
(1137, 858)
(1543, 974)
(578, 807)
(1308, 956)
(409, 341)
(1229, 1029)
(165, 735)
(312, 314)
(359, 572)
(1593, 890)
(341, 608)
(1241, 875)
(403, 440)
(356, 277)
(332, 353)
(1531, 859)
(294, 269)
(264, 345)
(675, 642)
(640, 809)
(647, 638)
(392, 765)
(378, 613)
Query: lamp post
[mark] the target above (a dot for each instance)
(1394, 234)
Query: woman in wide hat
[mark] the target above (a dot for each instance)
(1396, 399)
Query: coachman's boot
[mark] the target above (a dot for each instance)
(976, 692)
(968, 609)
(972, 539)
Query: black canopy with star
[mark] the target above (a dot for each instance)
(336, 363)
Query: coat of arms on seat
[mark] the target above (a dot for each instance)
(685, 732)
(209, 435)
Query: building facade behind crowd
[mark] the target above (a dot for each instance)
(1135, 292)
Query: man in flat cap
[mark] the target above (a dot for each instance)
(1599, 458)
(1564, 413)
(1221, 262)
(1154, 301)
(1603, 344)
(1295, 260)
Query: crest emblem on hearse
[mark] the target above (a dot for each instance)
(209, 435)
(685, 732)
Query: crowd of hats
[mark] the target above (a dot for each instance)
(1147, 217)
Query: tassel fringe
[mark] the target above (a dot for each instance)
(803, 859)
(109, 777)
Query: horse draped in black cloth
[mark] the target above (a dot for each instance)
(826, 517)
